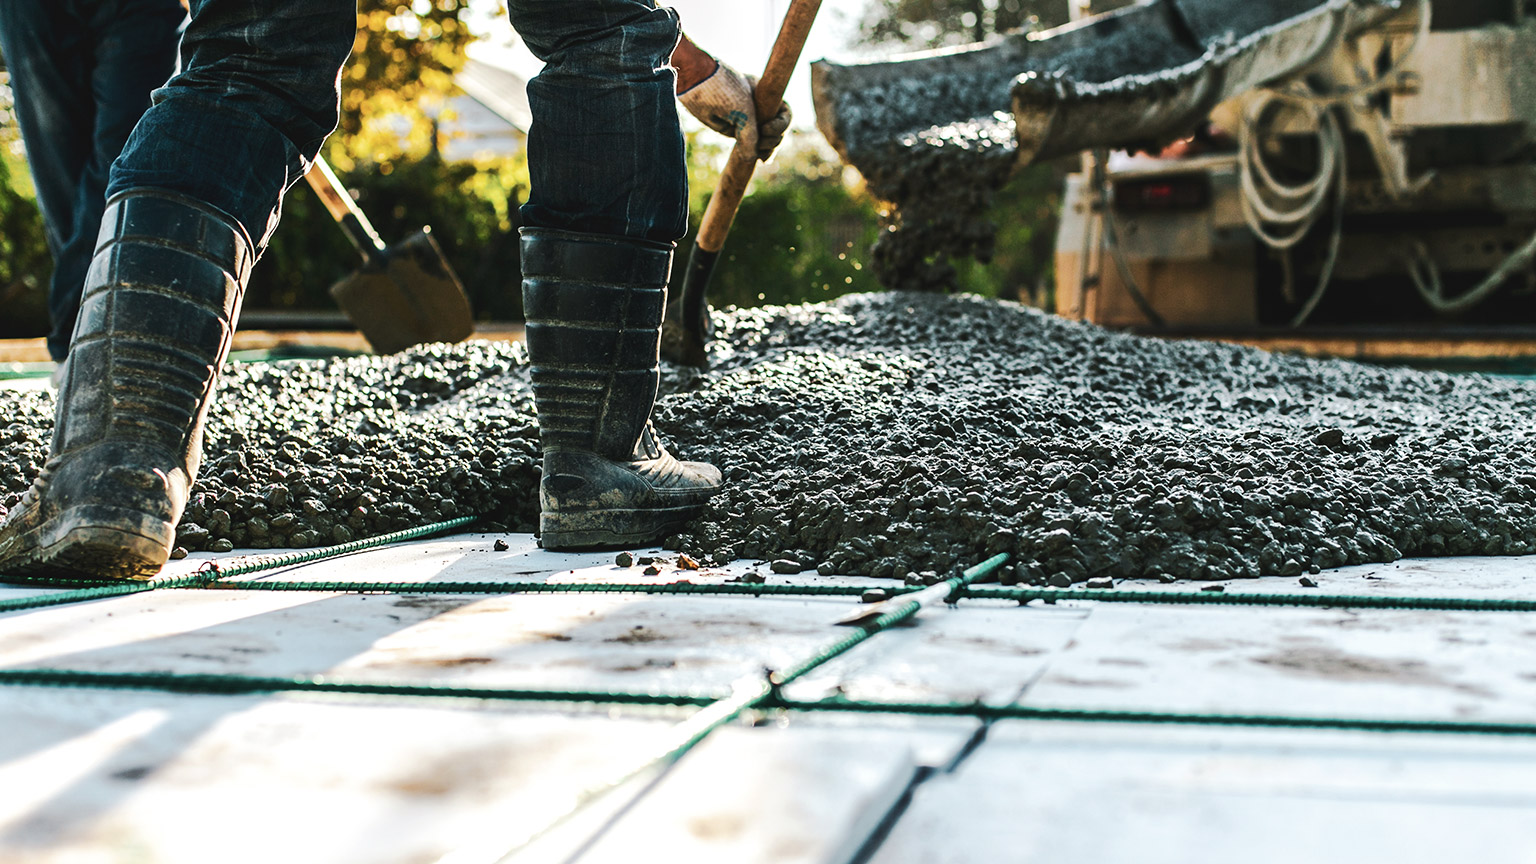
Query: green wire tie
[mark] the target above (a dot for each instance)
(1018, 595)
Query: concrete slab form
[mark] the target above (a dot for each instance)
(116, 775)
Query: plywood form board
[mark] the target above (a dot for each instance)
(792, 795)
(1383, 664)
(111, 776)
(621, 642)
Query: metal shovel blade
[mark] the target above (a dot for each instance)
(406, 295)
(686, 329)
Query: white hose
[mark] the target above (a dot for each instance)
(1294, 207)
(1385, 79)
(1281, 215)
(1426, 278)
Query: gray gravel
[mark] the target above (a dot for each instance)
(904, 436)
(312, 453)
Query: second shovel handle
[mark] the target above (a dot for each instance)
(343, 209)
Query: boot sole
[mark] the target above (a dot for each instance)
(92, 543)
(612, 529)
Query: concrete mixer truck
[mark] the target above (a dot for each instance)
(1246, 167)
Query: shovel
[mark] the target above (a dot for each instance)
(404, 294)
(687, 326)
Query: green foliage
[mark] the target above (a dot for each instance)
(394, 92)
(936, 23)
(468, 206)
(25, 264)
(800, 236)
(399, 78)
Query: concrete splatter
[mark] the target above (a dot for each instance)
(941, 175)
(938, 134)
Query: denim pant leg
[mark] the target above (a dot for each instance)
(82, 73)
(605, 152)
(255, 100)
(44, 49)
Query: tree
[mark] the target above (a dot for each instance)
(937, 23)
(394, 91)
(399, 78)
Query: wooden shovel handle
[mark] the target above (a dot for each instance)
(342, 208)
(768, 96)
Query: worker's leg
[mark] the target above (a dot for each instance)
(605, 152)
(203, 173)
(47, 53)
(608, 200)
(82, 73)
(131, 49)
(255, 100)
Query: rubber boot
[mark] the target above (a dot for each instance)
(594, 307)
(160, 303)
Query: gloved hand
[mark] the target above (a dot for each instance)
(723, 102)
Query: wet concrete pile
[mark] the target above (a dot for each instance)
(908, 433)
(905, 435)
(314, 453)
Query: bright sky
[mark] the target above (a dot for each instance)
(740, 32)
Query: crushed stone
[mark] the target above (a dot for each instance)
(312, 453)
(902, 433)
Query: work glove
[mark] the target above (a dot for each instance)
(723, 102)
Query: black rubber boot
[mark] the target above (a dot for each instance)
(594, 307)
(159, 306)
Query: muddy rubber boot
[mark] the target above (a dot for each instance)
(594, 307)
(159, 307)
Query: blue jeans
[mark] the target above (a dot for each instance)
(255, 99)
(257, 96)
(81, 72)
(605, 151)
